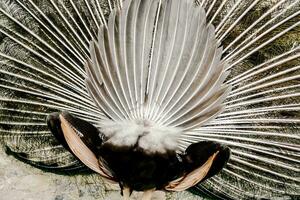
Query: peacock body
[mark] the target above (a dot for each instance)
(154, 77)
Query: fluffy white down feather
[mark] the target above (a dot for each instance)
(151, 137)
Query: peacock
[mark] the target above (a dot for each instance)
(167, 95)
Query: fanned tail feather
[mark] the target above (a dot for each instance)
(157, 78)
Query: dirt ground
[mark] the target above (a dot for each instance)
(19, 181)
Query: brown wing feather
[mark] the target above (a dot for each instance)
(82, 152)
(191, 179)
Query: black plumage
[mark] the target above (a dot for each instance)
(135, 168)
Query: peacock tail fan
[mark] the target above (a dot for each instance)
(225, 71)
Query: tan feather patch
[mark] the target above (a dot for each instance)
(81, 150)
(192, 178)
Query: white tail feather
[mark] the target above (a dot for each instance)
(165, 79)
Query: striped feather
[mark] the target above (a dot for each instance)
(197, 104)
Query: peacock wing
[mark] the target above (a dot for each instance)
(200, 161)
(84, 141)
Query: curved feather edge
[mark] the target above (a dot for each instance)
(150, 91)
